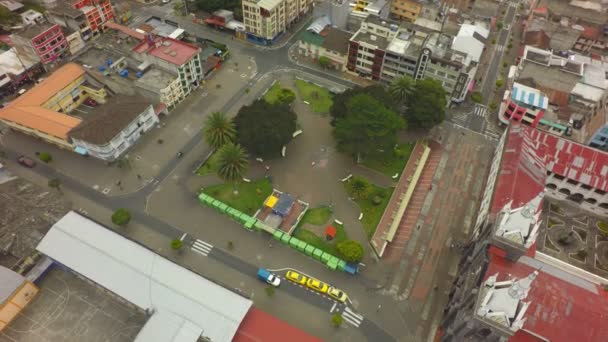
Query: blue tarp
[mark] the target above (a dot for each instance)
(284, 205)
(81, 150)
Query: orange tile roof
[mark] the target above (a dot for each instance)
(27, 109)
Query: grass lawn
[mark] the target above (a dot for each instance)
(372, 213)
(320, 242)
(210, 166)
(272, 95)
(320, 99)
(390, 162)
(317, 216)
(250, 198)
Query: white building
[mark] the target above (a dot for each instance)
(265, 20)
(471, 40)
(114, 128)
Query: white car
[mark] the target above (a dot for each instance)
(166, 1)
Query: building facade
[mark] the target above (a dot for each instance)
(47, 41)
(70, 18)
(405, 10)
(332, 45)
(96, 12)
(266, 20)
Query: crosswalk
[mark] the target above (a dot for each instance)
(201, 247)
(352, 317)
(480, 110)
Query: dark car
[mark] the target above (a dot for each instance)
(27, 162)
(90, 102)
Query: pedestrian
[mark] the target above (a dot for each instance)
(379, 307)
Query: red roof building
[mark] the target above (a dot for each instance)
(259, 326)
(510, 285)
(97, 12)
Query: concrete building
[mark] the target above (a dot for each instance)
(75, 41)
(31, 17)
(266, 20)
(513, 284)
(16, 293)
(327, 42)
(573, 95)
(114, 127)
(47, 41)
(70, 18)
(15, 68)
(405, 10)
(96, 12)
(385, 50)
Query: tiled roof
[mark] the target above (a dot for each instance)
(537, 39)
(563, 307)
(311, 38)
(27, 109)
(170, 50)
(109, 119)
(125, 30)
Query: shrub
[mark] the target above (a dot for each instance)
(505, 64)
(499, 83)
(476, 97)
(493, 41)
(45, 157)
(121, 217)
(510, 45)
(176, 244)
(499, 26)
(351, 250)
(336, 320)
(376, 200)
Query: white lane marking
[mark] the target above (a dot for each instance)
(352, 317)
(202, 247)
(333, 307)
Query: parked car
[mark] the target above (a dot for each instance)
(90, 102)
(268, 277)
(21, 91)
(317, 285)
(296, 277)
(27, 162)
(337, 294)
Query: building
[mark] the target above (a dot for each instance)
(13, 6)
(175, 56)
(75, 41)
(513, 283)
(471, 40)
(47, 41)
(15, 68)
(96, 12)
(405, 10)
(384, 50)
(573, 95)
(325, 41)
(266, 20)
(31, 17)
(114, 127)
(15, 294)
(70, 18)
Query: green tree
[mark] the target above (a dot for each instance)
(476, 97)
(218, 130)
(232, 163)
(54, 183)
(176, 244)
(402, 88)
(121, 217)
(351, 250)
(378, 92)
(336, 320)
(45, 156)
(7, 17)
(499, 26)
(209, 5)
(286, 96)
(359, 187)
(324, 62)
(264, 128)
(499, 83)
(426, 106)
(367, 127)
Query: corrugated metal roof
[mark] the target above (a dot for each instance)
(319, 24)
(529, 96)
(144, 278)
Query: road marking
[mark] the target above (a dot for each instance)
(333, 307)
(480, 111)
(201, 247)
(351, 317)
(183, 237)
(253, 75)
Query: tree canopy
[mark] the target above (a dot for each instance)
(121, 217)
(402, 88)
(218, 130)
(367, 126)
(351, 250)
(378, 92)
(264, 128)
(427, 104)
(232, 162)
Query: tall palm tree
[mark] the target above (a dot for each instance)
(401, 88)
(218, 130)
(232, 163)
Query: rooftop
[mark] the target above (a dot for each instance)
(529, 96)
(371, 39)
(34, 30)
(125, 30)
(337, 40)
(10, 63)
(10, 282)
(156, 79)
(261, 326)
(27, 109)
(311, 38)
(62, 8)
(11, 5)
(550, 77)
(109, 119)
(564, 8)
(170, 50)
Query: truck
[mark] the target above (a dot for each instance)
(268, 277)
(223, 19)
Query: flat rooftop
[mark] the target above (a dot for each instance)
(549, 76)
(69, 309)
(371, 39)
(34, 30)
(170, 50)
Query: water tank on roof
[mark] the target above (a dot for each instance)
(139, 74)
(109, 61)
(124, 73)
(102, 68)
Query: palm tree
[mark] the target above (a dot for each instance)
(232, 163)
(401, 88)
(359, 187)
(218, 130)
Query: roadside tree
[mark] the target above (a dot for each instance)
(45, 157)
(351, 250)
(54, 183)
(121, 217)
(426, 106)
(286, 96)
(232, 163)
(359, 187)
(336, 320)
(218, 130)
(338, 108)
(367, 126)
(176, 244)
(402, 88)
(263, 128)
(324, 62)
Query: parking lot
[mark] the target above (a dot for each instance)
(69, 309)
